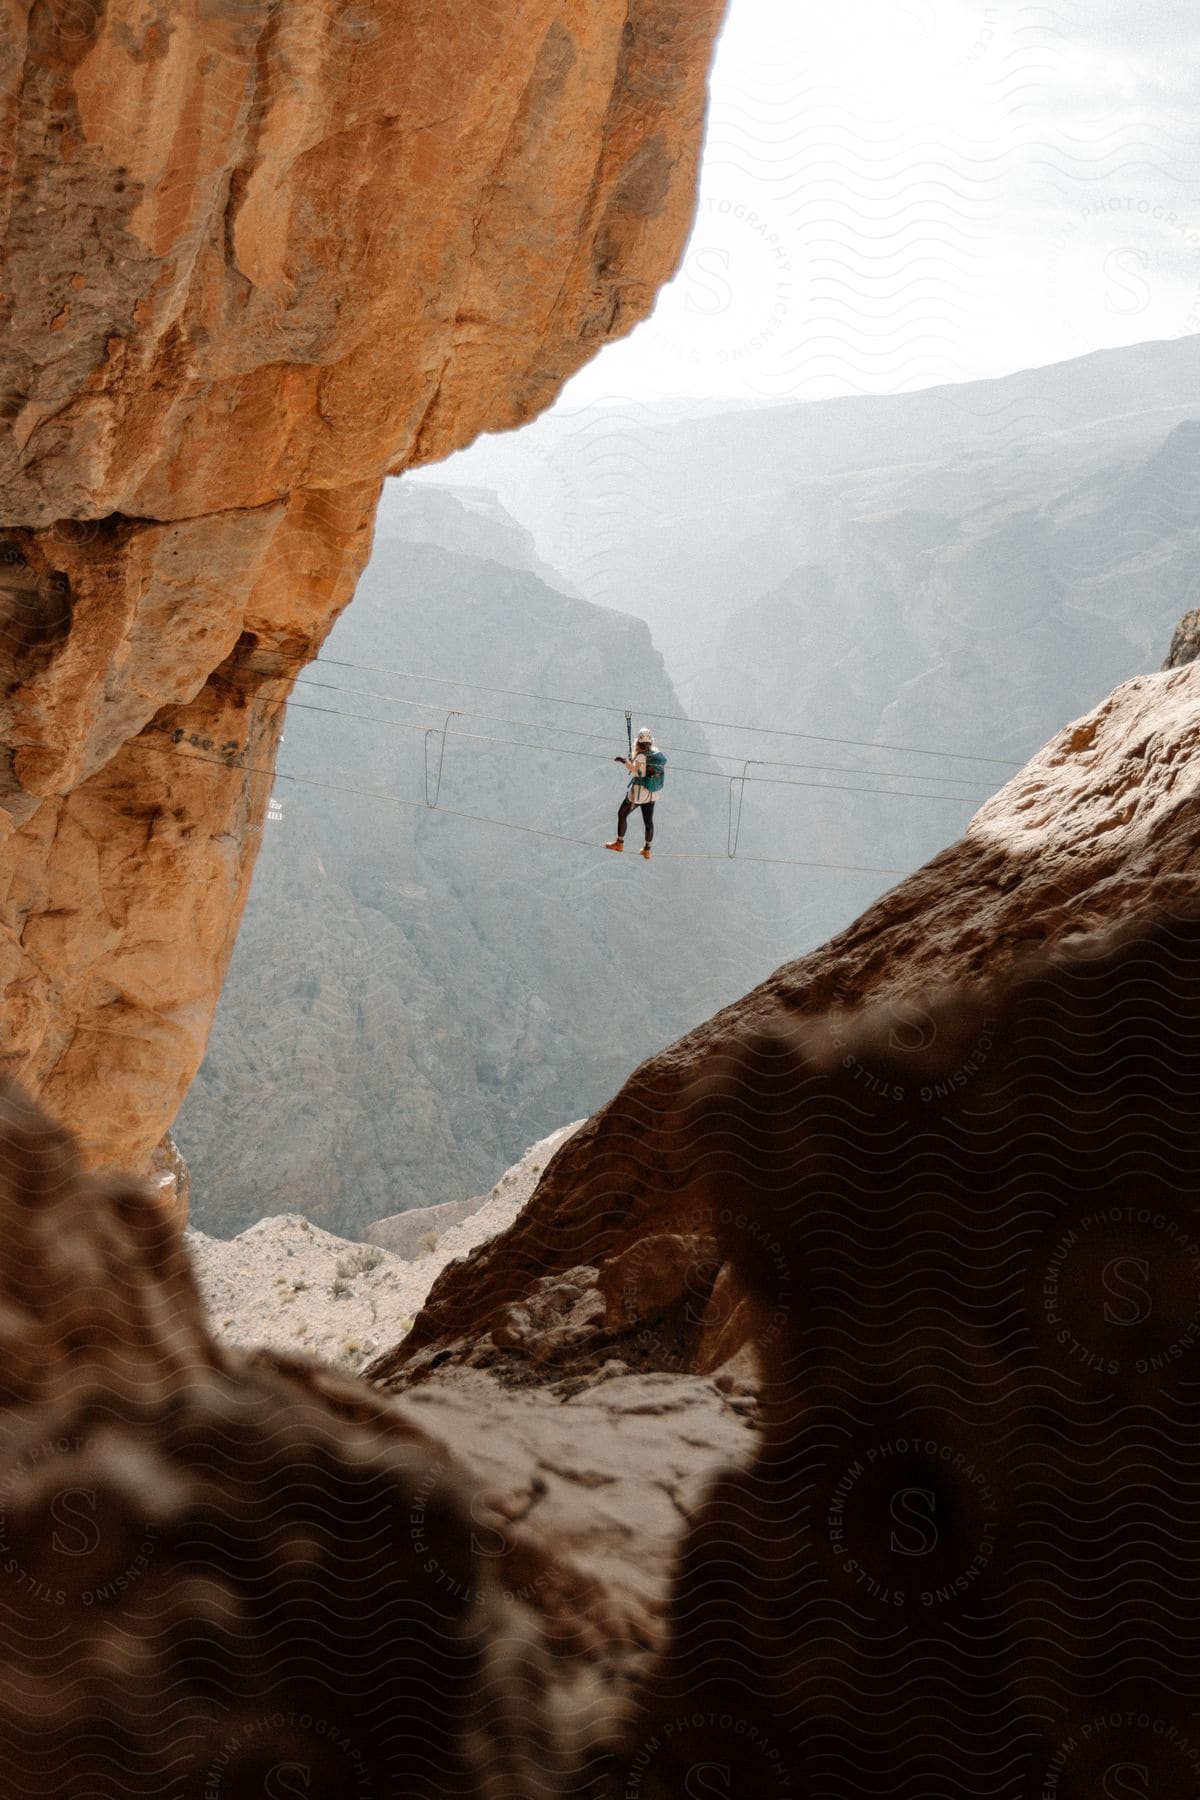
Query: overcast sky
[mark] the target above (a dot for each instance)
(897, 193)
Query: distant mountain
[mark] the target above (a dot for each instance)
(968, 607)
(945, 621)
(681, 519)
(468, 520)
(454, 989)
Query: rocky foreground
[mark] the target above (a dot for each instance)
(820, 1424)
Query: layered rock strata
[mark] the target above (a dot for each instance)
(255, 259)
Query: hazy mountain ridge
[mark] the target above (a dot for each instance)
(972, 627)
(1029, 597)
(467, 520)
(681, 519)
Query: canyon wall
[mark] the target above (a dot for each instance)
(255, 259)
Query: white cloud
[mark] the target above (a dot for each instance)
(901, 192)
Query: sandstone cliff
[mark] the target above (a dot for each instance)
(256, 258)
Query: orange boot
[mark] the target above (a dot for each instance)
(645, 851)
(617, 844)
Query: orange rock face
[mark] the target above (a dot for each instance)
(255, 258)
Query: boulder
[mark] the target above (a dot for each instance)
(1185, 644)
(959, 1552)
(415, 1233)
(231, 1578)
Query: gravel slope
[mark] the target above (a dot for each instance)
(287, 1284)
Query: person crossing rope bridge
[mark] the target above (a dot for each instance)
(647, 771)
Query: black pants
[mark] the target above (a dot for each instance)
(647, 810)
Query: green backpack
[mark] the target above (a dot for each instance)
(656, 771)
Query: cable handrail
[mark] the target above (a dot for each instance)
(230, 765)
(671, 718)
